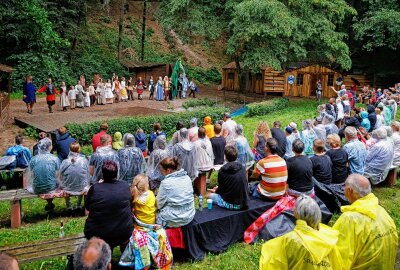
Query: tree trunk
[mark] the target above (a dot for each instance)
(121, 28)
(243, 76)
(143, 30)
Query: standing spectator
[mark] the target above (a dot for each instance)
(208, 127)
(193, 130)
(117, 141)
(29, 93)
(396, 140)
(340, 112)
(355, 150)
(157, 132)
(218, 145)
(339, 159)
(51, 92)
(175, 200)
(93, 254)
(330, 127)
(175, 137)
(308, 136)
(140, 141)
(160, 152)
(273, 172)
(130, 159)
(228, 128)
(109, 204)
(103, 152)
(74, 175)
(186, 153)
(322, 164)
(22, 154)
(245, 155)
(205, 155)
(289, 141)
(97, 136)
(280, 137)
(231, 191)
(260, 137)
(371, 117)
(63, 143)
(319, 129)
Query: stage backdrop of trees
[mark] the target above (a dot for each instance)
(59, 38)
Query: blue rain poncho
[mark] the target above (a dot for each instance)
(97, 159)
(160, 152)
(378, 161)
(131, 163)
(74, 174)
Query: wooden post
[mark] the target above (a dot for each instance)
(201, 184)
(15, 214)
(24, 180)
(391, 178)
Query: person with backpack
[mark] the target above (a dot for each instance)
(22, 154)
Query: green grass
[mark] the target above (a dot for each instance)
(37, 225)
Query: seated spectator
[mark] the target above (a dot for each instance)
(280, 137)
(371, 117)
(160, 152)
(148, 247)
(218, 145)
(311, 244)
(232, 190)
(260, 136)
(319, 129)
(322, 164)
(96, 138)
(103, 152)
(63, 143)
(208, 126)
(296, 132)
(365, 121)
(289, 141)
(8, 262)
(356, 151)
(339, 159)
(193, 130)
(367, 234)
(273, 172)
(245, 155)
(140, 141)
(379, 157)
(157, 132)
(93, 254)
(22, 154)
(35, 149)
(205, 155)
(175, 137)
(380, 121)
(175, 200)
(396, 141)
(186, 153)
(74, 175)
(130, 159)
(109, 204)
(308, 136)
(117, 141)
(44, 171)
(300, 171)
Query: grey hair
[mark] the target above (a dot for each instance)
(45, 145)
(129, 140)
(389, 131)
(183, 133)
(379, 133)
(328, 119)
(308, 210)
(353, 181)
(239, 130)
(193, 122)
(396, 125)
(350, 132)
(160, 142)
(104, 255)
(307, 124)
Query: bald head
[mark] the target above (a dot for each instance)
(94, 254)
(8, 262)
(356, 187)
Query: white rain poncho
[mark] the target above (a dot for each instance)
(43, 169)
(131, 160)
(160, 151)
(74, 174)
(205, 155)
(97, 159)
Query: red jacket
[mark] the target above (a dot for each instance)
(96, 139)
(48, 97)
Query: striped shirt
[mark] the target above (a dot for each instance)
(274, 173)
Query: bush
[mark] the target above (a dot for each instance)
(198, 103)
(204, 76)
(84, 132)
(262, 108)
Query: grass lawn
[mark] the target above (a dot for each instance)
(37, 225)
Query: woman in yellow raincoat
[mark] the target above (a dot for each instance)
(309, 246)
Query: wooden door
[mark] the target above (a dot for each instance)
(313, 84)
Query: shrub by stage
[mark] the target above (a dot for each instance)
(206, 102)
(262, 108)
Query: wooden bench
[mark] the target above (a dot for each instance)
(14, 197)
(45, 249)
(18, 170)
(391, 178)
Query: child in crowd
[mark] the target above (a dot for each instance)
(72, 97)
(218, 145)
(144, 201)
(208, 127)
(140, 141)
(117, 141)
(322, 164)
(365, 123)
(64, 102)
(86, 99)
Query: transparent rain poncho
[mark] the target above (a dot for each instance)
(97, 159)
(187, 156)
(74, 174)
(160, 152)
(131, 160)
(43, 169)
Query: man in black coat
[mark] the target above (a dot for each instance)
(63, 142)
(280, 137)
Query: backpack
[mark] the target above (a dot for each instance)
(8, 163)
(22, 161)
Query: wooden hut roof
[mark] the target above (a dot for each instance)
(6, 68)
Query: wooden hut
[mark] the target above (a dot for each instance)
(5, 72)
(145, 70)
(305, 76)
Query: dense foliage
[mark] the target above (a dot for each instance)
(130, 124)
(265, 107)
(199, 102)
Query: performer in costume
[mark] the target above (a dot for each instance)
(64, 102)
(124, 92)
(29, 92)
(101, 93)
(160, 90)
(166, 88)
(80, 96)
(130, 89)
(109, 94)
(116, 88)
(51, 92)
(140, 87)
(151, 87)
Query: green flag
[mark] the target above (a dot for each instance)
(178, 68)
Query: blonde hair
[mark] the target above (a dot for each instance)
(333, 140)
(262, 129)
(139, 186)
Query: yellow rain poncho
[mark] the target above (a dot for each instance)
(304, 248)
(117, 142)
(368, 236)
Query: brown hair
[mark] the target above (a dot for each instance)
(201, 132)
(170, 163)
(6, 261)
(156, 126)
(104, 126)
(231, 153)
(42, 135)
(333, 140)
(75, 147)
(62, 130)
(104, 139)
(319, 146)
(217, 128)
